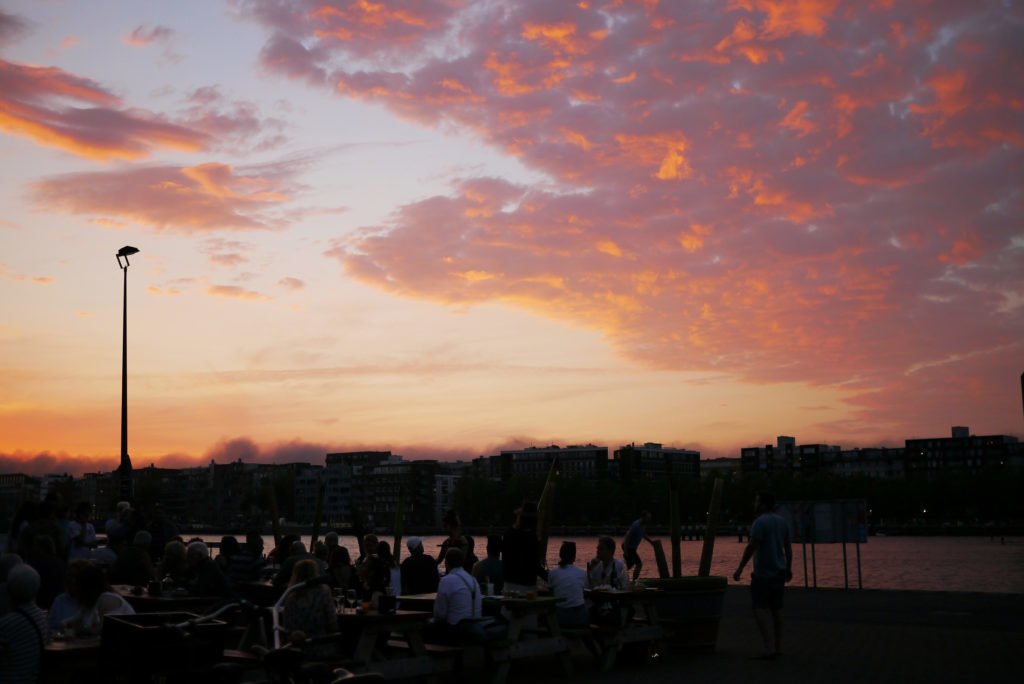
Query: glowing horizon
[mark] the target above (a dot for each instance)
(446, 228)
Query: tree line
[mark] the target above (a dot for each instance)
(948, 498)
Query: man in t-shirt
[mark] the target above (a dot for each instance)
(459, 605)
(772, 552)
(637, 533)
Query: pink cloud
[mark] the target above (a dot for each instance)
(32, 106)
(12, 27)
(293, 284)
(59, 109)
(142, 36)
(789, 191)
(206, 197)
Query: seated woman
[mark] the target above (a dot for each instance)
(567, 583)
(173, 568)
(64, 607)
(93, 600)
(310, 611)
(340, 570)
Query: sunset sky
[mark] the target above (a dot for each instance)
(448, 227)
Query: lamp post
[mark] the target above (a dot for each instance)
(125, 469)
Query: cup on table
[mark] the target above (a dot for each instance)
(366, 606)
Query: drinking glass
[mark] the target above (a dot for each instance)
(351, 598)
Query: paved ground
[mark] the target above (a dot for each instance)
(848, 636)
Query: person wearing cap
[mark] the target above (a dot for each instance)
(23, 632)
(419, 571)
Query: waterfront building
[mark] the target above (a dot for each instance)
(876, 463)
(786, 457)
(720, 467)
(654, 461)
(307, 490)
(961, 452)
(348, 483)
(413, 482)
(574, 461)
(445, 483)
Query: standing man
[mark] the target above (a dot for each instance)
(636, 533)
(772, 552)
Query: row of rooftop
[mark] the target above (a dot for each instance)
(370, 482)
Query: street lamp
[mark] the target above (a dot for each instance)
(125, 469)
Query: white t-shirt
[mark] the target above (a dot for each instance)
(567, 583)
(458, 597)
(613, 574)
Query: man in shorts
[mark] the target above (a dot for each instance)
(630, 545)
(772, 552)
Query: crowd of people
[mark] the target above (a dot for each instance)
(56, 580)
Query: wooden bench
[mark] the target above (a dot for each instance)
(444, 658)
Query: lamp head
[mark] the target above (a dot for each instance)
(125, 252)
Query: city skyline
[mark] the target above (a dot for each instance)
(446, 229)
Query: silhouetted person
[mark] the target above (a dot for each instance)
(491, 569)
(81, 532)
(636, 534)
(520, 551)
(772, 552)
(133, 565)
(419, 571)
(23, 632)
(43, 557)
(204, 577)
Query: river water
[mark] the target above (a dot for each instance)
(912, 563)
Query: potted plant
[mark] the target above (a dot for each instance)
(690, 607)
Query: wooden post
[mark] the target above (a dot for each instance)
(275, 520)
(318, 513)
(659, 558)
(676, 529)
(545, 509)
(396, 547)
(709, 534)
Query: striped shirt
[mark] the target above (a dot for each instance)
(20, 649)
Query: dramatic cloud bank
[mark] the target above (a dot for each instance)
(789, 191)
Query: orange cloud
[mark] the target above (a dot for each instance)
(236, 292)
(757, 188)
(29, 107)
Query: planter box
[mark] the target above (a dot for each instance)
(691, 610)
(142, 643)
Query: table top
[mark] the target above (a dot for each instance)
(621, 593)
(373, 617)
(72, 645)
(128, 592)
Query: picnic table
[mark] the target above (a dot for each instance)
(66, 660)
(522, 639)
(176, 601)
(374, 630)
(522, 613)
(636, 622)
